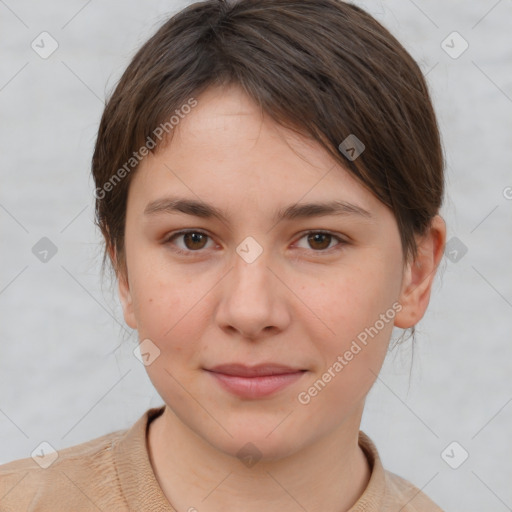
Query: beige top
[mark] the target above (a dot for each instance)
(113, 473)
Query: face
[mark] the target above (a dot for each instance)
(314, 290)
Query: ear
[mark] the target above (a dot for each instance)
(124, 292)
(419, 275)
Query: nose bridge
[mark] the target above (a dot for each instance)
(251, 274)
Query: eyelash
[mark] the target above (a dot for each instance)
(172, 236)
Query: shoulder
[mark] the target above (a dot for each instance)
(411, 499)
(79, 476)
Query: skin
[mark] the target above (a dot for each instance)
(301, 303)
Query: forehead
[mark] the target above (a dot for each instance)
(227, 151)
(229, 122)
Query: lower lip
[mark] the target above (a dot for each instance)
(255, 387)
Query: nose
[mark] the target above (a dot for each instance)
(253, 299)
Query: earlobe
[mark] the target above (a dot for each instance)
(126, 301)
(124, 293)
(419, 275)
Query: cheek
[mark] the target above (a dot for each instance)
(173, 311)
(350, 300)
(351, 358)
(354, 317)
(158, 303)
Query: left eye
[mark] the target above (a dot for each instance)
(321, 239)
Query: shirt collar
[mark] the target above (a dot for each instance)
(136, 476)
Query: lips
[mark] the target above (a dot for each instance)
(259, 370)
(254, 382)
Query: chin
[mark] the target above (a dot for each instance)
(265, 442)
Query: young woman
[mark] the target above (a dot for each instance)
(268, 176)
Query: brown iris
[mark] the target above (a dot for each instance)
(194, 238)
(317, 237)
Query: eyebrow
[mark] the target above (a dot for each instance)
(204, 210)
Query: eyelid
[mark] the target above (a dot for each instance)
(342, 240)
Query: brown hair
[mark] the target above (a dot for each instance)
(323, 68)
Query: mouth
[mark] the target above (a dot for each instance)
(255, 381)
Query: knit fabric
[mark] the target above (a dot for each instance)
(113, 473)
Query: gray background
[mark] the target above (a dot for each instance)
(67, 371)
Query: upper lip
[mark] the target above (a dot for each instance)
(253, 371)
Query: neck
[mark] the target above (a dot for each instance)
(329, 475)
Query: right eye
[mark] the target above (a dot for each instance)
(193, 240)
